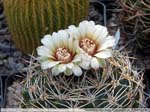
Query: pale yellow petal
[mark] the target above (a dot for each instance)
(77, 70)
(90, 29)
(42, 58)
(63, 35)
(56, 40)
(82, 28)
(55, 71)
(44, 51)
(68, 72)
(104, 54)
(109, 42)
(77, 58)
(100, 32)
(73, 31)
(94, 63)
(62, 67)
(70, 65)
(85, 64)
(48, 64)
(47, 41)
(71, 45)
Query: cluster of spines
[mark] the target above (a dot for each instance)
(117, 85)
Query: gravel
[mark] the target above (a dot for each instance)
(11, 62)
(14, 95)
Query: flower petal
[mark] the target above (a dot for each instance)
(68, 72)
(70, 65)
(104, 54)
(109, 42)
(94, 63)
(77, 58)
(72, 46)
(56, 40)
(62, 67)
(48, 64)
(90, 29)
(55, 71)
(73, 31)
(77, 70)
(44, 51)
(82, 28)
(85, 64)
(100, 31)
(47, 40)
(63, 33)
(64, 37)
(41, 59)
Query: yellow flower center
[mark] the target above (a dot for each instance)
(88, 46)
(63, 54)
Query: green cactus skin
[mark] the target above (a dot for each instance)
(29, 20)
(117, 85)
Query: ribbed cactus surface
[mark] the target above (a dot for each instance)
(29, 20)
(117, 85)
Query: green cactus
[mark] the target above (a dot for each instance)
(136, 21)
(29, 20)
(117, 85)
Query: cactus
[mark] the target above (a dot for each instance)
(117, 85)
(29, 20)
(136, 21)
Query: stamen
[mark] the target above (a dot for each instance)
(88, 46)
(63, 54)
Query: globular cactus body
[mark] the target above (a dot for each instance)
(29, 20)
(117, 85)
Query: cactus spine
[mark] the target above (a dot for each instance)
(117, 85)
(136, 22)
(29, 20)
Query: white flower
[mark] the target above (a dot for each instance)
(59, 53)
(94, 41)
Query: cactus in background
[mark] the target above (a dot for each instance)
(136, 21)
(117, 85)
(29, 20)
